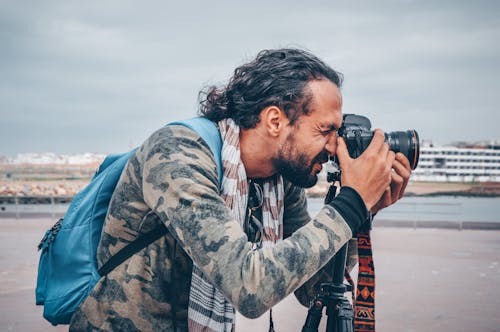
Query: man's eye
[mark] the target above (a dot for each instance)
(327, 132)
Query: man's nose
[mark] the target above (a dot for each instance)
(331, 144)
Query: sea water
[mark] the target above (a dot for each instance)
(408, 209)
(437, 208)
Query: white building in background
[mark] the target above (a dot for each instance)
(463, 163)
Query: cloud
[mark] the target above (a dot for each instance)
(101, 77)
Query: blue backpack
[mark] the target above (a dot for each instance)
(67, 270)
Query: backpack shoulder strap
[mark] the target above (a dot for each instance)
(211, 135)
(209, 132)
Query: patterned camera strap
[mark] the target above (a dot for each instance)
(364, 303)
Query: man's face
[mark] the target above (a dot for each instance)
(312, 138)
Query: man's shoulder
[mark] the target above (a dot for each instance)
(176, 150)
(174, 132)
(173, 138)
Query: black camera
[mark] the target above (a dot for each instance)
(357, 133)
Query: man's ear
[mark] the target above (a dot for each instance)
(274, 120)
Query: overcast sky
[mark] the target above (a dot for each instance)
(101, 76)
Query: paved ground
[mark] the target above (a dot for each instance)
(427, 280)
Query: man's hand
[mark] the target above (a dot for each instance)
(371, 173)
(399, 180)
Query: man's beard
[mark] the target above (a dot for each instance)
(294, 166)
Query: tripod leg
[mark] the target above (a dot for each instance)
(313, 316)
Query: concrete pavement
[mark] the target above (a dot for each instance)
(427, 280)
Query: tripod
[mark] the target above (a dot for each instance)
(331, 295)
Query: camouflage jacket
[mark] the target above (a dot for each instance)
(172, 179)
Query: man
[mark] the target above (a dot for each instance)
(278, 118)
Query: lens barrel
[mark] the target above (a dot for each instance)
(406, 142)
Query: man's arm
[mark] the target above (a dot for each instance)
(180, 185)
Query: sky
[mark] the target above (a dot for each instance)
(101, 76)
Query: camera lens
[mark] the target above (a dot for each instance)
(406, 142)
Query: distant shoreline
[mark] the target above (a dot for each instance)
(476, 189)
(47, 191)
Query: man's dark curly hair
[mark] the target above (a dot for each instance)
(274, 78)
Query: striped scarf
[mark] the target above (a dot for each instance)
(209, 310)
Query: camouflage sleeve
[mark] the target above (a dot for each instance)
(352, 254)
(306, 293)
(180, 185)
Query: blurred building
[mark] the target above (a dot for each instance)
(460, 162)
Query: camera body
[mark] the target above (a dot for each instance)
(357, 133)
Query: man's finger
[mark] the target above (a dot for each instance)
(377, 142)
(401, 166)
(400, 169)
(397, 186)
(403, 160)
